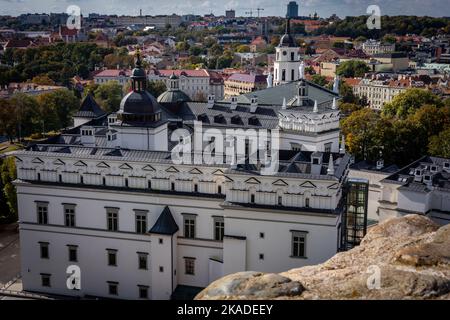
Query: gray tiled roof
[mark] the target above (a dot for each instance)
(406, 176)
(266, 116)
(275, 95)
(165, 224)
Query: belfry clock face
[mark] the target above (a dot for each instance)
(284, 53)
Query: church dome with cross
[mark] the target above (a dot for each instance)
(139, 105)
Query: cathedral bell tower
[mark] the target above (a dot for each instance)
(287, 60)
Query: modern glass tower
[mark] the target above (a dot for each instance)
(292, 10)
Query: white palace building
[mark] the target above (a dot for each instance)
(107, 197)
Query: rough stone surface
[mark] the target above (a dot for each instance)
(412, 255)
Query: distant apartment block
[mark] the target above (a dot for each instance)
(372, 47)
(239, 83)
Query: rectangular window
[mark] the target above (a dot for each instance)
(189, 265)
(283, 75)
(189, 226)
(292, 74)
(141, 222)
(307, 202)
(113, 288)
(112, 257)
(44, 250)
(142, 260)
(219, 228)
(112, 219)
(45, 280)
(172, 186)
(42, 213)
(280, 200)
(143, 292)
(73, 254)
(252, 198)
(69, 215)
(298, 244)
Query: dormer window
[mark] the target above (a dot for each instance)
(427, 178)
(253, 121)
(433, 169)
(236, 120)
(220, 119)
(418, 172)
(447, 165)
(202, 117)
(87, 132)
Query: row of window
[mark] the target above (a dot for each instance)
(112, 220)
(111, 255)
(113, 286)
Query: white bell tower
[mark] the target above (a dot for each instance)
(287, 59)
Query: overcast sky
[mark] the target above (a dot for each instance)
(271, 7)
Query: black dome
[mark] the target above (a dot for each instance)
(173, 97)
(138, 72)
(139, 106)
(287, 40)
(139, 103)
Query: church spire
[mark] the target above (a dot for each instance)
(288, 26)
(138, 75)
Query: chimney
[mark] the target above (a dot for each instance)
(253, 105)
(418, 173)
(316, 108)
(316, 163)
(233, 103)
(342, 148)
(211, 99)
(380, 164)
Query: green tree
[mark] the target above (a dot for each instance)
(319, 79)
(439, 145)
(57, 106)
(109, 95)
(409, 101)
(8, 119)
(43, 79)
(8, 174)
(182, 46)
(26, 113)
(358, 129)
(156, 88)
(352, 69)
(348, 108)
(243, 48)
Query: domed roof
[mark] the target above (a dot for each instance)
(287, 40)
(138, 72)
(139, 103)
(173, 97)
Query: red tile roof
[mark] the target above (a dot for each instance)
(19, 44)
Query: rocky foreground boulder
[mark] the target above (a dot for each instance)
(401, 258)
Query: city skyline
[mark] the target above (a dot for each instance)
(271, 8)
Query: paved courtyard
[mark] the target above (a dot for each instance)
(9, 254)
